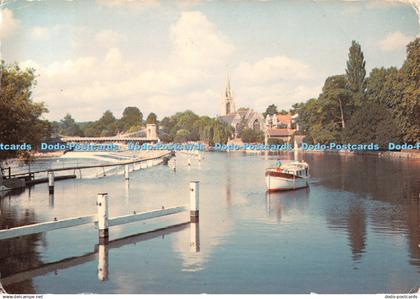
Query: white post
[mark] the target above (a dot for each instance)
(194, 201)
(126, 172)
(102, 204)
(103, 262)
(189, 161)
(51, 182)
(199, 157)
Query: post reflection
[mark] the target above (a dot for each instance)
(21, 277)
(103, 262)
(195, 237)
(127, 190)
(51, 201)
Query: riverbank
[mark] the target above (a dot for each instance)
(409, 154)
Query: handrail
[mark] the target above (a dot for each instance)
(90, 166)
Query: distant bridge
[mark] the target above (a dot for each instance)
(147, 135)
(120, 139)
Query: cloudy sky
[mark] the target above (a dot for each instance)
(167, 56)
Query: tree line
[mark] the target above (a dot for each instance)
(107, 125)
(352, 108)
(188, 126)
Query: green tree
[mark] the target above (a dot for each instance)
(378, 87)
(182, 136)
(405, 100)
(106, 125)
(69, 127)
(21, 120)
(335, 101)
(252, 136)
(356, 71)
(151, 118)
(372, 123)
(270, 110)
(131, 117)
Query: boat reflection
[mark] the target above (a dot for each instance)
(281, 204)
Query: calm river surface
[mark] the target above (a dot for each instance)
(355, 230)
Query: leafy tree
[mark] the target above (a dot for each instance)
(182, 136)
(378, 88)
(106, 125)
(241, 126)
(372, 123)
(131, 117)
(69, 127)
(21, 118)
(405, 100)
(151, 118)
(252, 136)
(356, 71)
(270, 110)
(335, 101)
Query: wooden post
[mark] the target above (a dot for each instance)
(102, 204)
(51, 182)
(194, 201)
(126, 172)
(10, 172)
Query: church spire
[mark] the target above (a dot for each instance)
(227, 105)
(228, 92)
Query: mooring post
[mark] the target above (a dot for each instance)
(50, 182)
(194, 201)
(102, 204)
(126, 172)
(189, 161)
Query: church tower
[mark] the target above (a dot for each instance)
(227, 105)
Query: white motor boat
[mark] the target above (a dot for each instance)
(288, 176)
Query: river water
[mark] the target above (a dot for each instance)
(355, 230)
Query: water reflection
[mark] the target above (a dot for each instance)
(51, 200)
(23, 278)
(195, 237)
(282, 204)
(395, 184)
(359, 212)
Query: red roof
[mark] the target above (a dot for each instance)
(285, 119)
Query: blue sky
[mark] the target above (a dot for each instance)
(168, 56)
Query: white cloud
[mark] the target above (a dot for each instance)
(109, 37)
(191, 77)
(132, 4)
(272, 69)
(40, 33)
(8, 24)
(279, 79)
(197, 41)
(394, 41)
